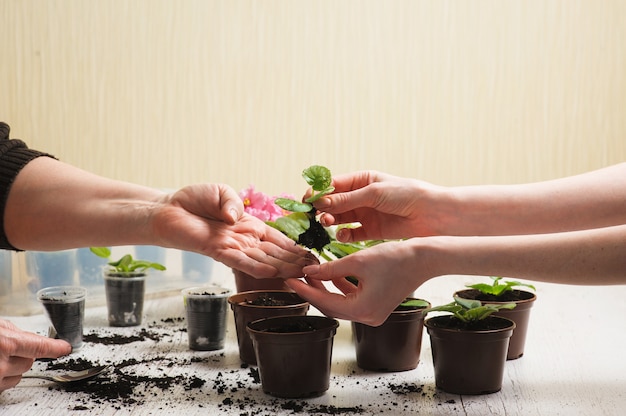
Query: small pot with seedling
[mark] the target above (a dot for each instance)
(396, 344)
(503, 292)
(124, 283)
(294, 354)
(469, 346)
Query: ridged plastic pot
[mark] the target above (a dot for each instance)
(469, 361)
(520, 315)
(245, 311)
(393, 346)
(294, 354)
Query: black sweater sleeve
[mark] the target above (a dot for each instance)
(14, 155)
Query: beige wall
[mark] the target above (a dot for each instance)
(457, 92)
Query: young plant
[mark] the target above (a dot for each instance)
(498, 288)
(126, 264)
(468, 311)
(302, 224)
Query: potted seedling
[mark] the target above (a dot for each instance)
(502, 292)
(469, 346)
(294, 354)
(396, 344)
(124, 283)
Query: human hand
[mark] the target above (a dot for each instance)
(210, 219)
(386, 206)
(386, 275)
(19, 349)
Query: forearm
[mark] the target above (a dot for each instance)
(591, 200)
(53, 206)
(589, 257)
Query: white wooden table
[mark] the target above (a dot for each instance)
(574, 364)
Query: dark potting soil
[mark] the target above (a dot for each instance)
(268, 300)
(508, 296)
(296, 326)
(490, 323)
(234, 391)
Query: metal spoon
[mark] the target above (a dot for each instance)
(70, 377)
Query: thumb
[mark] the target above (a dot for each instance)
(232, 206)
(330, 270)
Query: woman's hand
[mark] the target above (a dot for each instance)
(386, 206)
(209, 219)
(19, 349)
(386, 273)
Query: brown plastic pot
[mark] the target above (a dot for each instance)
(393, 346)
(469, 361)
(520, 315)
(245, 312)
(294, 354)
(245, 283)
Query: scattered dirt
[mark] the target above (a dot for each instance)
(234, 390)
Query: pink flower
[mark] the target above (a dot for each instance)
(261, 205)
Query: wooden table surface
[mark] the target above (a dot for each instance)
(574, 364)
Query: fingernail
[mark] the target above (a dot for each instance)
(310, 259)
(233, 215)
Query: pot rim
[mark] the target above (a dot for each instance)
(530, 300)
(197, 291)
(233, 302)
(429, 323)
(329, 325)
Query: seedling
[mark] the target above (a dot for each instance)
(498, 288)
(126, 264)
(468, 311)
(302, 224)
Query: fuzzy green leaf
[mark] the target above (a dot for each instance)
(293, 206)
(318, 177)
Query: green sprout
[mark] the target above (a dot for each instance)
(126, 264)
(497, 288)
(469, 311)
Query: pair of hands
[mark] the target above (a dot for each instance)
(385, 206)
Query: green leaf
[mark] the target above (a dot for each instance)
(414, 303)
(293, 206)
(318, 177)
(292, 225)
(103, 252)
(497, 288)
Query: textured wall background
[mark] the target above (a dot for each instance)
(166, 93)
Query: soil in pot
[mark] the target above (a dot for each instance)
(65, 307)
(523, 300)
(393, 346)
(253, 305)
(206, 309)
(124, 296)
(469, 360)
(294, 354)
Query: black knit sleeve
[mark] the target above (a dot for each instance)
(14, 155)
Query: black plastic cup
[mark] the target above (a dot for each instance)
(207, 309)
(65, 307)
